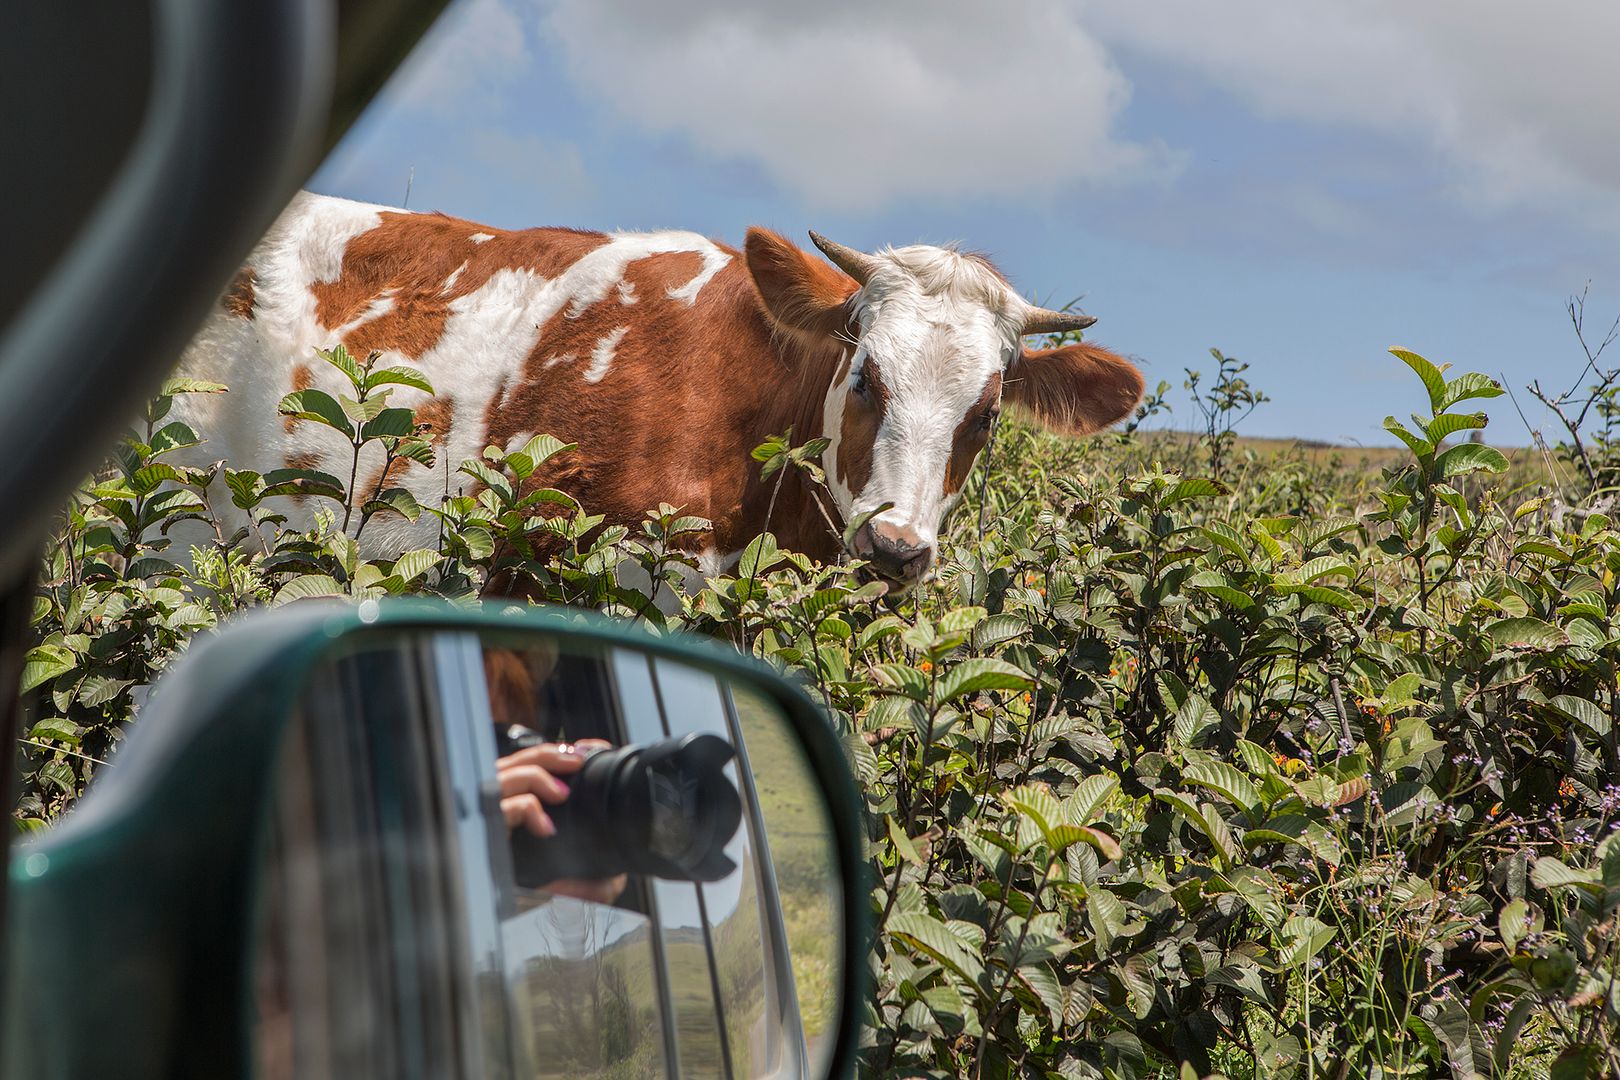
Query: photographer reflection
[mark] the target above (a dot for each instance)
(532, 778)
(583, 814)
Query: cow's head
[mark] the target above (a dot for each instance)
(932, 344)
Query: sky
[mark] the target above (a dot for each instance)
(1301, 185)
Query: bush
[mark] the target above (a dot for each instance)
(1299, 769)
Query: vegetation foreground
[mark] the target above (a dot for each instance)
(1189, 761)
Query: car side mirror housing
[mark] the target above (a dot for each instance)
(405, 839)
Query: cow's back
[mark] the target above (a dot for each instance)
(621, 342)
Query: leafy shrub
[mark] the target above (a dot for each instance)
(1292, 770)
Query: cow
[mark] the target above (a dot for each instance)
(666, 356)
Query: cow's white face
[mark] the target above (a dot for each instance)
(931, 341)
(915, 400)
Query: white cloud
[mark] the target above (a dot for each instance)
(468, 56)
(853, 104)
(1519, 99)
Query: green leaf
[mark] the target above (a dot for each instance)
(1304, 937)
(172, 387)
(1434, 379)
(397, 500)
(902, 843)
(1419, 446)
(1469, 385)
(960, 620)
(1319, 594)
(1220, 586)
(1525, 632)
(1470, 457)
(339, 357)
(293, 482)
(1107, 915)
(1550, 873)
(772, 447)
(1582, 711)
(1044, 985)
(1223, 778)
(44, 663)
(1519, 919)
(1195, 717)
(401, 376)
(101, 689)
(1197, 487)
(1581, 1062)
(319, 406)
(1090, 795)
(927, 934)
(1324, 566)
(145, 480)
(981, 673)
(759, 556)
(56, 729)
(996, 630)
(306, 587)
(1443, 427)
(394, 423)
(1222, 535)
(904, 678)
(173, 436)
(413, 564)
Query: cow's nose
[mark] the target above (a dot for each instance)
(895, 551)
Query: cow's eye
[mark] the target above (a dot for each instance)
(987, 419)
(863, 385)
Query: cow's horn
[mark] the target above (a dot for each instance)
(857, 264)
(1045, 321)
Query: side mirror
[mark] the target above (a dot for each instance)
(336, 844)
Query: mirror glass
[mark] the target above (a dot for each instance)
(529, 856)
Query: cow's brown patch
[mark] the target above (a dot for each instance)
(857, 435)
(755, 354)
(422, 262)
(704, 383)
(303, 377)
(238, 299)
(971, 434)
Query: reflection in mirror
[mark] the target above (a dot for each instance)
(647, 925)
(531, 857)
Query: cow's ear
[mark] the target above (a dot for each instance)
(800, 293)
(1076, 389)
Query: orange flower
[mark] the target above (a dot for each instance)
(925, 667)
(1567, 788)
(1496, 808)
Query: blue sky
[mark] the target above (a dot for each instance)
(1301, 185)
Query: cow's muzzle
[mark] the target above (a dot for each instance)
(895, 552)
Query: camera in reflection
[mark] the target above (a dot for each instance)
(664, 809)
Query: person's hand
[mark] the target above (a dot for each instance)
(533, 779)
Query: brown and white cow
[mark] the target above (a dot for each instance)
(665, 355)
